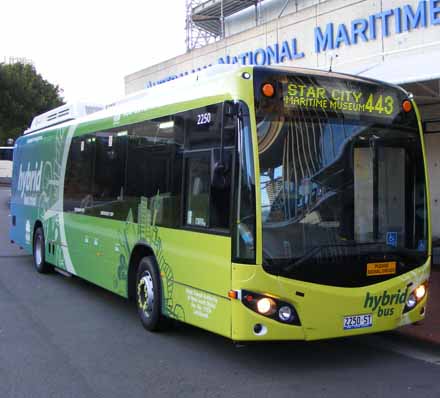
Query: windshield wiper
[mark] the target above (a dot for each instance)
(315, 250)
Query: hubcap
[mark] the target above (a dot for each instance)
(145, 292)
(38, 251)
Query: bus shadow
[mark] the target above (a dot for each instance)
(280, 356)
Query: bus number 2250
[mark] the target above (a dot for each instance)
(204, 118)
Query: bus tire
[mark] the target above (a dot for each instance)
(149, 295)
(39, 252)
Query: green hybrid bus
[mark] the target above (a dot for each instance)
(259, 203)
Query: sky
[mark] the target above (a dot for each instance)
(86, 47)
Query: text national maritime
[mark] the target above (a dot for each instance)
(392, 21)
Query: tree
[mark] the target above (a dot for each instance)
(23, 95)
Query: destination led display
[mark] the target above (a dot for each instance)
(360, 99)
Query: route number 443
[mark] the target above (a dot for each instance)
(380, 105)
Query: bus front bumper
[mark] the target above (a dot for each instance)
(325, 311)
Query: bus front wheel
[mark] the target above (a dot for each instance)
(39, 252)
(149, 295)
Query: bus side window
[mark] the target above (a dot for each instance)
(79, 174)
(109, 173)
(154, 168)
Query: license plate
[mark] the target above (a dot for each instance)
(358, 321)
(385, 268)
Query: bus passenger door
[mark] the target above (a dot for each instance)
(201, 250)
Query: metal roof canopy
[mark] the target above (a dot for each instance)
(210, 14)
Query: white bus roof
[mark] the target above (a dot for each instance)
(62, 114)
(179, 90)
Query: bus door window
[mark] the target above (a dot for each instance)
(79, 174)
(221, 188)
(208, 189)
(245, 227)
(197, 195)
(223, 170)
(203, 128)
(208, 167)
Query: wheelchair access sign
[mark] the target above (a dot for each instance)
(392, 239)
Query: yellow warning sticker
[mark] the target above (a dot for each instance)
(385, 268)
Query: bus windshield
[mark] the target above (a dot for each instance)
(342, 180)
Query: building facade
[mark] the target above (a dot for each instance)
(392, 40)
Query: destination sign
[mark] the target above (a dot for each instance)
(339, 97)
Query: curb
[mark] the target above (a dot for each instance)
(428, 339)
(425, 341)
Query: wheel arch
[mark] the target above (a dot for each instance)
(37, 224)
(140, 249)
(43, 267)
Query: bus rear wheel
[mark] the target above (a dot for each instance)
(39, 252)
(149, 295)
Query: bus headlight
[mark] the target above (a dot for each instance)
(411, 302)
(415, 297)
(285, 313)
(270, 307)
(420, 292)
(266, 306)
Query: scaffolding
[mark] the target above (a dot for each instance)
(205, 19)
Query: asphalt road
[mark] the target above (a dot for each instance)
(63, 337)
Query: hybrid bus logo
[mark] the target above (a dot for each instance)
(29, 181)
(377, 302)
